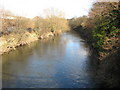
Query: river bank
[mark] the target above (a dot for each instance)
(12, 41)
(107, 65)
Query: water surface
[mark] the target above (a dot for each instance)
(62, 62)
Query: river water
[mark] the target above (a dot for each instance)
(62, 62)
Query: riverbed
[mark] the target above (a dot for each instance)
(59, 62)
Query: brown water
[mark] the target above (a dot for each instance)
(60, 63)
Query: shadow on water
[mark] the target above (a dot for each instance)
(62, 62)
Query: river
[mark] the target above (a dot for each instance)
(62, 62)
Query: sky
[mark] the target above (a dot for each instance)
(32, 8)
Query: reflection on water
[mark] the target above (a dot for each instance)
(62, 63)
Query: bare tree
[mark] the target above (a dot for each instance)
(52, 12)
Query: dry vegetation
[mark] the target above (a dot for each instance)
(17, 30)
